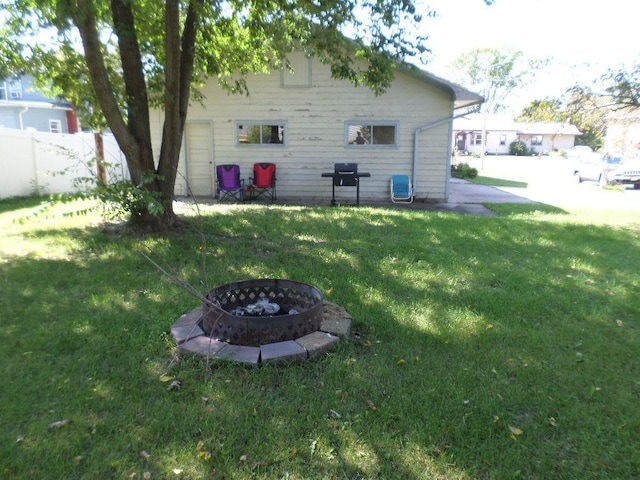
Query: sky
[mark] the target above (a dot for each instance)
(581, 38)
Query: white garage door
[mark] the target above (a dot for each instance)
(199, 140)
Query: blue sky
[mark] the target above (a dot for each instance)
(581, 38)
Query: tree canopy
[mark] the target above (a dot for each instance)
(495, 73)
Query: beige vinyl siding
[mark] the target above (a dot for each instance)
(316, 119)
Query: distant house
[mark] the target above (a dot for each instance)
(623, 135)
(306, 121)
(23, 107)
(501, 131)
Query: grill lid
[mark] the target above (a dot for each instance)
(345, 174)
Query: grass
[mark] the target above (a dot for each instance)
(497, 182)
(484, 347)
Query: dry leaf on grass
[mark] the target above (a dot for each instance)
(145, 454)
(371, 405)
(175, 385)
(59, 423)
(515, 430)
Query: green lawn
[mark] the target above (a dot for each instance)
(483, 347)
(496, 182)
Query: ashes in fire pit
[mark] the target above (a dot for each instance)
(257, 312)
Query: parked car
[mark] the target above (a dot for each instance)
(579, 151)
(607, 170)
(589, 167)
(621, 171)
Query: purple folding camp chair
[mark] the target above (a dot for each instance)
(229, 184)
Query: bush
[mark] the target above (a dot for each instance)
(518, 148)
(463, 170)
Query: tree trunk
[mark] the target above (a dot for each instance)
(134, 135)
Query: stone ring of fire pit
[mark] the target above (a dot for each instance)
(263, 320)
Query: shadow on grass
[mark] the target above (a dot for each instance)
(465, 326)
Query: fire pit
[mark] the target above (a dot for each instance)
(257, 312)
(262, 320)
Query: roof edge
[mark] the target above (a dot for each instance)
(462, 97)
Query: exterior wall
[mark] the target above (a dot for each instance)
(555, 136)
(550, 143)
(316, 119)
(32, 111)
(623, 138)
(37, 160)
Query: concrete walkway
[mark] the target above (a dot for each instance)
(467, 197)
(464, 197)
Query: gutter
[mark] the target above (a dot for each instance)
(416, 148)
(24, 110)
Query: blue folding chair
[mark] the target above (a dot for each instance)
(229, 184)
(401, 189)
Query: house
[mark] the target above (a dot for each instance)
(23, 107)
(305, 121)
(501, 131)
(623, 134)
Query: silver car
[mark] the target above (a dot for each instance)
(620, 171)
(607, 170)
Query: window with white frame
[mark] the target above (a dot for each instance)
(55, 126)
(15, 89)
(3, 90)
(261, 133)
(503, 139)
(297, 70)
(476, 139)
(376, 134)
(536, 139)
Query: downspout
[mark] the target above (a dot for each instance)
(416, 148)
(20, 113)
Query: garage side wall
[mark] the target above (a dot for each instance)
(315, 119)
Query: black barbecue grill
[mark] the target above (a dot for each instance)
(346, 175)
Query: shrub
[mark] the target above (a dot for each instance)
(463, 170)
(518, 148)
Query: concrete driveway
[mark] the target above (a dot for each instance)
(549, 180)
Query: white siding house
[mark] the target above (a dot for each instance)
(501, 131)
(307, 121)
(23, 107)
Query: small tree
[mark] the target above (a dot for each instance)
(547, 110)
(496, 73)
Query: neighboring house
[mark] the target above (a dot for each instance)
(306, 121)
(24, 108)
(623, 135)
(501, 131)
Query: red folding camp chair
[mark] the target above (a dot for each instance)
(263, 182)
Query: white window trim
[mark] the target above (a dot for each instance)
(282, 123)
(354, 123)
(58, 126)
(15, 90)
(476, 139)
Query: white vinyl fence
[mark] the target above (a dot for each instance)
(40, 163)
